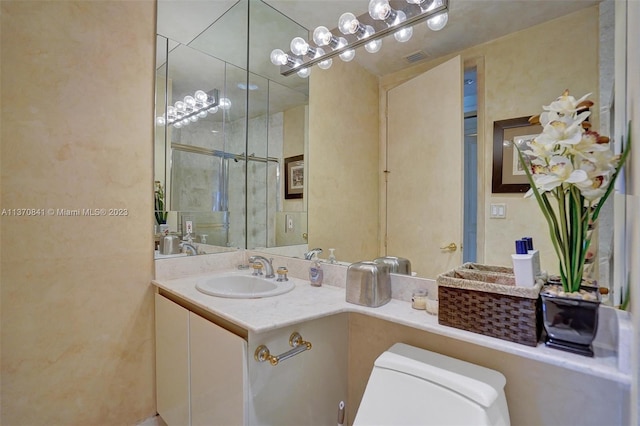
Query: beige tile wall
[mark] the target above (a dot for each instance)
(77, 307)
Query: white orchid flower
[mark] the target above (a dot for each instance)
(560, 171)
(565, 104)
(560, 132)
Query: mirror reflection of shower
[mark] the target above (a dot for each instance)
(222, 170)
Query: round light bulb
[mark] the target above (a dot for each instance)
(184, 122)
(180, 106)
(405, 33)
(202, 114)
(348, 55)
(348, 23)
(160, 121)
(213, 110)
(299, 46)
(171, 111)
(225, 103)
(373, 46)
(326, 64)
(438, 22)
(278, 57)
(177, 125)
(201, 96)
(193, 118)
(379, 9)
(322, 36)
(304, 72)
(190, 101)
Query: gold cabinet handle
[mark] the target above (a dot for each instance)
(450, 247)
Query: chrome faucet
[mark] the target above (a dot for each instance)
(309, 255)
(189, 248)
(266, 263)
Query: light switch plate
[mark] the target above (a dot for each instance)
(498, 211)
(189, 226)
(288, 223)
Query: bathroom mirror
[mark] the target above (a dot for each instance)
(458, 36)
(220, 170)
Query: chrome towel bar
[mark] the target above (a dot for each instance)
(295, 341)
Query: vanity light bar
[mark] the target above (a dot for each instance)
(414, 10)
(188, 110)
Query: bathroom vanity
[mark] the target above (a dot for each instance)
(206, 348)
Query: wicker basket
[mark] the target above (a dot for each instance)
(484, 299)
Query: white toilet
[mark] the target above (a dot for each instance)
(412, 386)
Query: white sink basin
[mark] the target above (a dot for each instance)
(242, 286)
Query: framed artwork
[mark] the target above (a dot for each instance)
(508, 174)
(293, 177)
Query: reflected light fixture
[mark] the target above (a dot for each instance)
(192, 108)
(383, 17)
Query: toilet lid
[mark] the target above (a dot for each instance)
(476, 383)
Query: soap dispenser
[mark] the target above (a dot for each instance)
(316, 274)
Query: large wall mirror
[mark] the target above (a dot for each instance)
(222, 169)
(230, 178)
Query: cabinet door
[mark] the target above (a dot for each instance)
(172, 362)
(218, 374)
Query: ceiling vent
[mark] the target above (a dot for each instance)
(416, 56)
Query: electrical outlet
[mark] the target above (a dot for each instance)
(498, 211)
(189, 226)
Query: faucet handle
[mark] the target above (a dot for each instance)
(282, 274)
(257, 269)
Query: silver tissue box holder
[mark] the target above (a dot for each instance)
(398, 265)
(368, 284)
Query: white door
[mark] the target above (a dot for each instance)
(425, 164)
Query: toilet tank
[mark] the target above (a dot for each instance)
(410, 386)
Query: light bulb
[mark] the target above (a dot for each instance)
(348, 23)
(193, 118)
(299, 46)
(348, 55)
(171, 112)
(213, 110)
(160, 121)
(405, 33)
(304, 72)
(322, 36)
(379, 9)
(177, 125)
(278, 57)
(201, 96)
(184, 122)
(225, 103)
(373, 46)
(190, 101)
(202, 114)
(326, 64)
(181, 107)
(438, 22)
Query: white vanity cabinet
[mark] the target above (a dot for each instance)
(201, 369)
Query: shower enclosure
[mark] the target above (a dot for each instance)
(221, 168)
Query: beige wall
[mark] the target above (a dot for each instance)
(77, 307)
(522, 72)
(343, 169)
(538, 394)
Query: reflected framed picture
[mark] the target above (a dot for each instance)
(508, 174)
(294, 177)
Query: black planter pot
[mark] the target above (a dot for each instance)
(570, 324)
